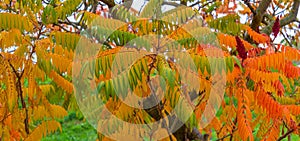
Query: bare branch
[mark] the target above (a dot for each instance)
(286, 39)
(250, 6)
(203, 4)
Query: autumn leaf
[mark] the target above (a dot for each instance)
(104, 59)
(276, 27)
(279, 87)
(240, 48)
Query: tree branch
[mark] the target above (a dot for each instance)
(20, 95)
(285, 135)
(228, 135)
(171, 3)
(183, 2)
(286, 39)
(250, 6)
(203, 4)
(292, 17)
(109, 3)
(259, 13)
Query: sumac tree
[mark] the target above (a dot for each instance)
(206, 69)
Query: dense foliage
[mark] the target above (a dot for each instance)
(220, 70)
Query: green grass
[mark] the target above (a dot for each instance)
(74, 128)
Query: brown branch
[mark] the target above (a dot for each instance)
(183, 2)
(234, 128)
(228, 135)
(286, 39)
(60, 26)
(285, 135)
(250, 6)
(259, 13)
(203, 4)
(292, 17)
(258, 17)
(171, 3)
(94, 4)
(20, 94)
(109, 3)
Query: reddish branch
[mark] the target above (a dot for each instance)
(20, 95)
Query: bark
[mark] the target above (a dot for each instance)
(292, 17)
(183, 2)
(109, 3)
(259, 13)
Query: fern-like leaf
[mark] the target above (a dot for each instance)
(152, 9)
(120, 12)
(273, 132)
(179, 15)
(43, 129)
(10, 21)
(272, 107)
(244, 116)
(259, 38)
(62, 82)
(227, 24)
(67, 40)
(11, 88)
(11, 38)
(230, 41)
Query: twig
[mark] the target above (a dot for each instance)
(250, 6)
(109, 3)
(285, 135)
(171, 3)
(203, 4)
(62, 27)
(231, 135)
(228, 135)
(286, 39)
(160, 108)
(293, 14)
(20, 94)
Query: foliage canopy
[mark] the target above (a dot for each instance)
(231, 79)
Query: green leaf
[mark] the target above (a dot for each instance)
(238, 62)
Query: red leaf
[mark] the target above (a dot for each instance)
(276, 27)
(280, 87)
(240, 48)
(257, 29)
